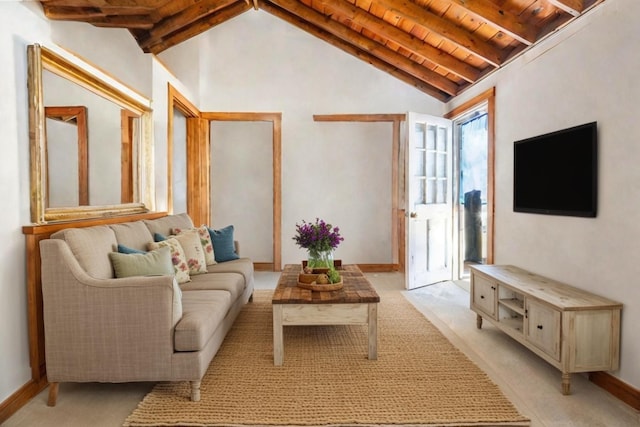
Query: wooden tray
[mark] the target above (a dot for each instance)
(321, 288)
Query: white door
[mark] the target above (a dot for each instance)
(429, 200)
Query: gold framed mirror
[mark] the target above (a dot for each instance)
(114, 174)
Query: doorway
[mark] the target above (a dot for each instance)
(471, 134)
(473, 139)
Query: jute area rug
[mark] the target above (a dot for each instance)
(419, 379)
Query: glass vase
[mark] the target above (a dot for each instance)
(320, 259)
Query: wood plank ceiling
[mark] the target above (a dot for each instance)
(440, 47)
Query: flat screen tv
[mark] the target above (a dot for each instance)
(556, 173)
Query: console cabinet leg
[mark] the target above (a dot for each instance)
(566, 383)
(53, 394)
(478, 321)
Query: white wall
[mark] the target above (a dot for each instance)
(19, 26)
(585, 73)
(340, 172)
(114, 51)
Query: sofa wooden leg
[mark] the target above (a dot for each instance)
(195, 391)
(251, 297)
(53, 394)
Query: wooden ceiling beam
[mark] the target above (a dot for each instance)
(354, 38)
(197, 27)
(121, 4)
(500, 18)
(354, 51)
(445, 29)
(422, 50)
(183, 19)
(572, 7)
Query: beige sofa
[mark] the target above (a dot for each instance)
(99, 328)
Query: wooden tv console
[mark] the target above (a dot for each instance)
(572, 329)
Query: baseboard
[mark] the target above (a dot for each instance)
(20, 398)
(263, 266)
(378, 268)
(618, 388)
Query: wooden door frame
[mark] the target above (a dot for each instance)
(487, 97)
(176, 101)
(276, 125)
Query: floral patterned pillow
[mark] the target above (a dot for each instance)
(178, 258)
(190, 242)
(205, 241)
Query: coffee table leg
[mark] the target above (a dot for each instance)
(373, 331)
(278, 343)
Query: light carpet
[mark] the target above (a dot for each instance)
(419, 379)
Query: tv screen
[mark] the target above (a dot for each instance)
(556, 173)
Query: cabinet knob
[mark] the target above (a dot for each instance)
(481, 296)
(540, 327)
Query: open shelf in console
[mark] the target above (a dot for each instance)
(511, 308)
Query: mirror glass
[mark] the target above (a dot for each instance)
(90, 141)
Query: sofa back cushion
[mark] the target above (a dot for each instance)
(91, 246)
(134, 235)
(166, 224)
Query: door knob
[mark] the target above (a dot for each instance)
(413, 215)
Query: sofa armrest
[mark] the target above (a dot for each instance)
(110, 330)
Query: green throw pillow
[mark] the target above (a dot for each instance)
(156, 262)
(223, 245)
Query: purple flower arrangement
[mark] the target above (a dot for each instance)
(318, 236)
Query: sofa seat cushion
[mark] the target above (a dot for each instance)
(202, 313)
(233, 283)
(242, 266)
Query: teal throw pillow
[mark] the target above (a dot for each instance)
(157, 237)
(127, 250)
(223, 246)
(156, 262)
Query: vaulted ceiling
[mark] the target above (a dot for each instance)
(440, 47)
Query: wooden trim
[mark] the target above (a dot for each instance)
(263, 266)
(276, 121)
(618, 388)
(488, 96)
(378, 268)
(396, 158)
(359, 117)
(242, 117)
(175, 101)
(20, 398)
(198, 171)
(126, 157)
(77, 115)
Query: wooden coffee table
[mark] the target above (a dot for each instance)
(355, 304)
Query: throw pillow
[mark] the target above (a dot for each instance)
(223, 244)
(157, 237)
(178, 258)
(205, 240)
(127, 250)
(134, 264)
(190, 242)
